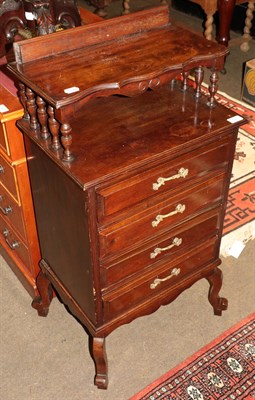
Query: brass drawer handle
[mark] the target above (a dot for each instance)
(1, 169)
(5, 210)
(176, 242)
(182, 173)
(180, 208)
(157, 281)
(13, 245)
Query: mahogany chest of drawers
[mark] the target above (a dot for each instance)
(129, 190)
(18, 235)
(137, 218)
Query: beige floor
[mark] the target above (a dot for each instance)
(48, 358)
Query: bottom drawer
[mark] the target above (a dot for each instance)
(13, 244)
(120, 301)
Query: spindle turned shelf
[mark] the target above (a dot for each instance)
(126, 55)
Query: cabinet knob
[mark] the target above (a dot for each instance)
(5, 210)
(13, 245)
(1, 169)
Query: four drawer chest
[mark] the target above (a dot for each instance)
(18, 234)
(129, 166)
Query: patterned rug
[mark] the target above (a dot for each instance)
(224, 370)
(239, 223)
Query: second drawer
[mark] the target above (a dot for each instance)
(161, 218)
(8, 177)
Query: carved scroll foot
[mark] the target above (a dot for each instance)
(218, 303)
(98, 353)
(42, 302)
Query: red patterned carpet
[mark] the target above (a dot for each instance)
(239, 224)
(222, 370)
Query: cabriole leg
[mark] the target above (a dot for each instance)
(98, 353)
(42, 302)
(219, 303)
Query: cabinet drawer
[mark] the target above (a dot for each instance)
(159, 219)
(175, 174)
(8, 177)
(13, 243)
(165, 249)
(151, 285)
(12, 212)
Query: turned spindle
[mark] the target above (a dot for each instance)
(54, 129)
(32, 109)
(43, 117)
(66, 140)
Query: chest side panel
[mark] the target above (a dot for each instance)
(63, 227)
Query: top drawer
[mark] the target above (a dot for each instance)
(3, 139)
(168, 176)
(11, 140)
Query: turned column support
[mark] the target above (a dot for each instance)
(66, 140)
(199, 76)
(185, 85)
(54, 129)
(213, 88)
(32, 109)
(226, 10)
(43, 117)
(23, 99)
(247, 28)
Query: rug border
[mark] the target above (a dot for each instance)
(198, 353)
(240, 102)
(224, 94)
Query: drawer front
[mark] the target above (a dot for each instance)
(165, 249)
(8, 177)
(150, 286)
(159, 219)
(13, 243)
(12, 212)
(3, 139)
(169, 176)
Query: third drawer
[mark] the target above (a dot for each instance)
(151, 285)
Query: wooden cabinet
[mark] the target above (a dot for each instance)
(18, 235)
(129, 190)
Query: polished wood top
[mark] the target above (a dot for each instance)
(111, 56)
(135, 132)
